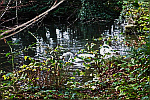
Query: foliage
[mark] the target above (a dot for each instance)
(124, 77)
(98, 10)
(70, 9)
(34, 78)
(121, 77)
(137, 15)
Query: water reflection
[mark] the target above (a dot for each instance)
(72, 38)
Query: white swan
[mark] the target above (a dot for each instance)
(86, 55)
(106, 49)
(77, 60)
(68, 56)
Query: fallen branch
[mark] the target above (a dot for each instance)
(29, 23)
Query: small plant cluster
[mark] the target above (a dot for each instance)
(138, 16)
(36, 80)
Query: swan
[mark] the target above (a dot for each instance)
(106, 49)
(77, 58)
(86, 55)
(67, 56)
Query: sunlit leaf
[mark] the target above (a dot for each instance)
(72, 77)
(7, 54)
(4, 76)
(50, 96)
(25, 58)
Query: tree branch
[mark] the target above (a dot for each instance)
(30, 22)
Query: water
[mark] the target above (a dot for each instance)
(72, 38)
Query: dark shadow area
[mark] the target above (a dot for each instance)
(5, 63)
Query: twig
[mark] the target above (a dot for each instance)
(8, 20)
(11, 50)
(17, 12)
(5, 9)
(34, 36)
(73, 22)
(72, 14)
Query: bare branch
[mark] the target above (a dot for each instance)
(5, 9)
(30, 22)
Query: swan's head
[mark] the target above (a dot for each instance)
(105, 49)
(67, 56)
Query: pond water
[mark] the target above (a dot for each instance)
(72, 38)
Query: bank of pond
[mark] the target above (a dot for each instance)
(85, 75)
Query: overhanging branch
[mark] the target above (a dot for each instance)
(28, 23)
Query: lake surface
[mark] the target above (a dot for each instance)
(73, 38)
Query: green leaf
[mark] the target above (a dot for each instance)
(74, 73)
(114, 74)
(142, 72)
(66, 93)
(4, 76)
(132, 79)
(8, 54)
(72, 77)
(25, 58)
(146, 97)
(50, 96)
(12, 96)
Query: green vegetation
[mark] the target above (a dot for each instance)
(121, 77)
(138, 17)
(70, 10)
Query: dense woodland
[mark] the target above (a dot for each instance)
(68, 10)
(115, 77)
